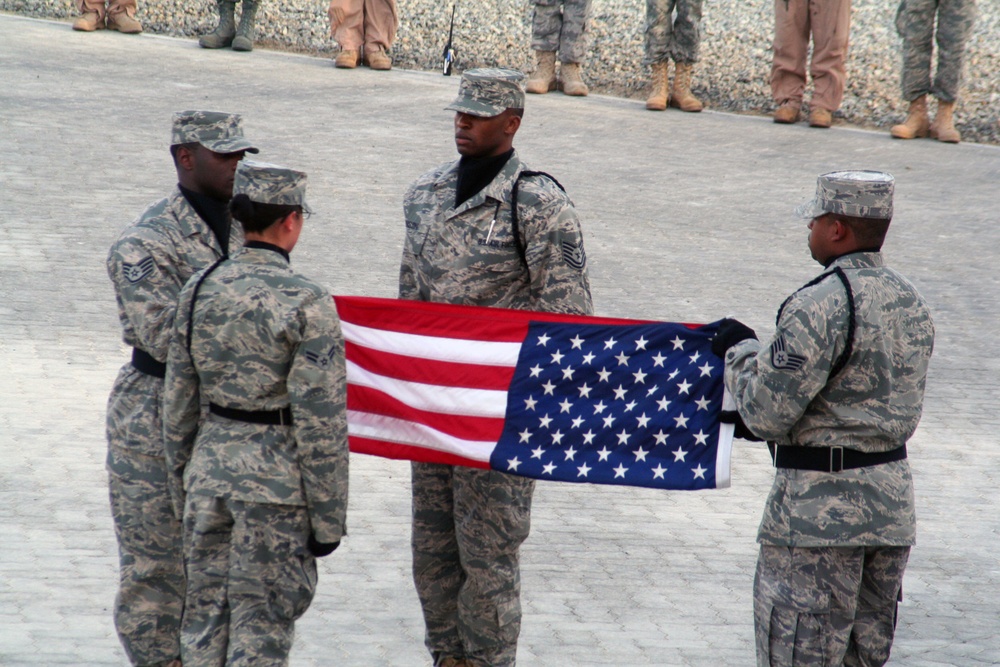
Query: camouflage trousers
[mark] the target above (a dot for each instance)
(915, 24)
(671, 37)
(250, 576)
(561, 25)
(826, 606)
(468, 526)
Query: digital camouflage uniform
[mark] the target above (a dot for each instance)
(468, 524)
(669, 36)
(834, 545)
(263, 339)
(561, 26)
(148, 265)
(915, 23)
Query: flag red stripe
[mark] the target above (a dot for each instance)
(427, 371)
(394, 450)
(480, 429)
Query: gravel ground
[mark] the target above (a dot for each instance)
(732, 75)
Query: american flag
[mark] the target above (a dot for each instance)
(543, 395)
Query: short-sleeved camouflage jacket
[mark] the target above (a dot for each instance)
(467, 254)
(263, 338)
(148, 265)
(784, 393)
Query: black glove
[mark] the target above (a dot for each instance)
(730, 333)
(742, 432)
(320, 549)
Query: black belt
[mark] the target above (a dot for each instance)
(144, 362)
(829, 459)
(280, 417)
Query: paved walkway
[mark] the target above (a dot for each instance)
(687, 218)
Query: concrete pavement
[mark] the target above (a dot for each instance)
(687, 218)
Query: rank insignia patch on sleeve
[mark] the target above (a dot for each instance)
(136, 272)
(323, 360)
(782, 359)
(574, 255)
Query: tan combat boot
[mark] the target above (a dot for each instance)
(543, 79)
(819, 117)
(223, 34)
(659, 97)
(787, 113)
(89, 22)
(572, 82)
(346, 59)
(124, 23)
(681, 96)
(916, 124)
(943, 127)
(377, 59)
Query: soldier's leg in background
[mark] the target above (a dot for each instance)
(347, 23)
(955, 19)
(831, 27)
(659, 30)
(546, 25)
(804, 604)
(96, 6)
(121, 7)
(492, 519)
(790, 46)
(380, 23)
(272, 581)
(208, 526)
(572, 37)
(875, 619)
(687, 36)
(437, 569)
(915, 25)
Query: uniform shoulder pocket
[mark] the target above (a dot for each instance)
(416, 236)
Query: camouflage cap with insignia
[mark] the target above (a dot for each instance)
(217, 131)
(489, 92)
(856, 193)
(271, 184)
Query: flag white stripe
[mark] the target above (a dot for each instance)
(724, 447)
(483, 353)
(433, 398)
(391, 429)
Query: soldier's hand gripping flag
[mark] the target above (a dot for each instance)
(559, 397)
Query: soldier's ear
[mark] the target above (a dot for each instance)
(512, 125)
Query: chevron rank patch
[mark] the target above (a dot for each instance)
(323, 360)
(138, 271)
(782, 359)
(574, 255)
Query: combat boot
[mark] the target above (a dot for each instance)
(659, 97)
(124, 23)
(226, 30)
(916, 124)
(245, 33)
(377, 59)
(681, 96)
(943, 127)
(572, 82)
(347, 59)
(89, 22)
(543, 79)
(787, 113)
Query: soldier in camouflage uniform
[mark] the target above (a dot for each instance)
(837, 392)
(463, 246)
(559, 27)
(260, 474)
(915, 24)
(676, 37)
(148, 265)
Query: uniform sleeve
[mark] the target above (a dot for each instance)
(181, 402)
(146, 281)
(554, 249)
(774, 383)
(318, 393)
(408, 288)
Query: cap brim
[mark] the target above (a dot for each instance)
(811, 209)
(230, 146)
(480, 109)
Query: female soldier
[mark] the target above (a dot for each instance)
(264, 474)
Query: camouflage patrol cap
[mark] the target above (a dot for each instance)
(270, 184)
(489, 92)
(859, 194)
(217, 131)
